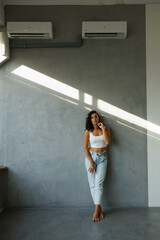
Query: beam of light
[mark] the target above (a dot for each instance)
(2, 52)
(115, 111)
(67, 90)
(2, 58)
(87, 99)
(46, 81)
(89, 109)
(138, 130)
(3, 49)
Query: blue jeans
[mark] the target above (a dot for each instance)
(97, 178)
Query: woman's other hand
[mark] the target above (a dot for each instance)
(92, 168)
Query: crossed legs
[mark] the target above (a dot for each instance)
(96, 187)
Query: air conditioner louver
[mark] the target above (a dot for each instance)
(102, 35)
(26, 35)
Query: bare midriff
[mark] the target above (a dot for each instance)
(98, 150)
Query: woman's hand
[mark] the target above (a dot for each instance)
(92, 168)
(100, 124)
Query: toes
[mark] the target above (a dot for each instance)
(96, 219)
(96, 216)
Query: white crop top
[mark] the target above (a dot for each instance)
(97, 141)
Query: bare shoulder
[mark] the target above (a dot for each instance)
(86, 132)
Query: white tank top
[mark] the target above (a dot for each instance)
(97, 141)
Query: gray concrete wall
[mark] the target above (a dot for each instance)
(43, 129)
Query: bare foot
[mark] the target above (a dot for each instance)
(101, 215)
(96, 215)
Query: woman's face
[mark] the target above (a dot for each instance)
(94, 118)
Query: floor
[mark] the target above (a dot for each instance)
(77, 224)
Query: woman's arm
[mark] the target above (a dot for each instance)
(106, 131)
(85, 146)
(107, 134)
(87, 153)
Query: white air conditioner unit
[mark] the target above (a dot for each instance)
(104, 30)
(30, 30)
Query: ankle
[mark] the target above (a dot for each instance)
(97, 207)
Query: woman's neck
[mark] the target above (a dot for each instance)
(95, 127)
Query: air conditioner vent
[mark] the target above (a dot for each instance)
(101, 35)
(29, 34)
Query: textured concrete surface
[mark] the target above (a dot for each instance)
(42, 129)
(76, 224)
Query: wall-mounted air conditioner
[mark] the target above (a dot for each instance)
(104, 30)
(30, 30)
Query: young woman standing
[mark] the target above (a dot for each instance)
(98, 136)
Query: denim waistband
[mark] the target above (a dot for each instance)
(98, 153)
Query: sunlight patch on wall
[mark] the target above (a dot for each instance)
(44, 80)
(53, 84)
(88, 99)
(4, 46)
(115, 111)
(2, 52)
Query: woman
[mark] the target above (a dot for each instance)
(99, 137)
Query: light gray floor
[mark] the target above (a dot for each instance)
(77, 224)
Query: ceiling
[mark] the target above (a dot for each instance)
(77, 2)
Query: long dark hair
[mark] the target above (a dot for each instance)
(89, 125)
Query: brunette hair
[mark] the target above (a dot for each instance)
(89, 125)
